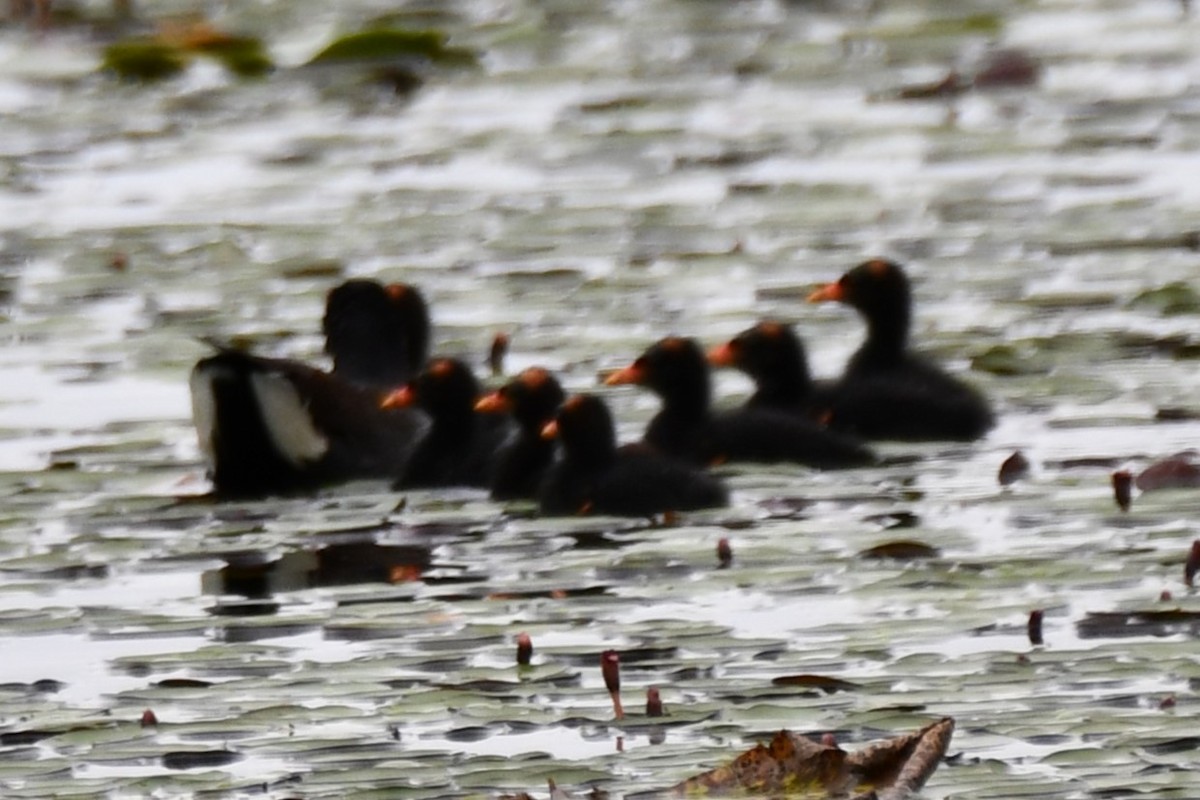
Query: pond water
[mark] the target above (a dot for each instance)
(614, 171)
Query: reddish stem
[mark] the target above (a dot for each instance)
(654, 706)
(610, 668)
(1193, 563)
(1122, 483)
(1035, 627)
(524, 649)
(724, 553)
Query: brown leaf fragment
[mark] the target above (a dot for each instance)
(1179, 471)
(790, 763)
(899, 766)
(901, 550)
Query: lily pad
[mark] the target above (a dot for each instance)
(1173, 299)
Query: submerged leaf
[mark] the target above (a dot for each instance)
(144, 60)
(1171, 300)
(385, 44)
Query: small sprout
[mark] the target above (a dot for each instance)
(524, 649)
(1014, 468)
(149, 719)
(1167, 702)
(1193, 564)
(1165, 596)
(1122, 483)
(610, 667)
(1034, 627)
(724, 553)
(654, 706)
(497, 353)
(118, 262)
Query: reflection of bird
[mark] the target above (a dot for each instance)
(270, 425)
(594, 476)
(532, 399)
(460, 446)
(676, 370)
(886, 391)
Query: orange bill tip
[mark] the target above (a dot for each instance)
(494, 403)
(400, 398)
(633, 374)
(830, 291)
(722, 355)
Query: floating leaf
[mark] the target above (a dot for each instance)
(1005, 359)
(244, 56)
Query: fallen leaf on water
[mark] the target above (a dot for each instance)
(793, 764)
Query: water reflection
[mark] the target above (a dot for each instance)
(260, 575)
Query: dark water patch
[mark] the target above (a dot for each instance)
(200, 759)
(256, 633)
(244, 609)
(182, 683)
(900, 550)
(27, 737)
(1118, 624)
(41, 686)
(260, 575)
